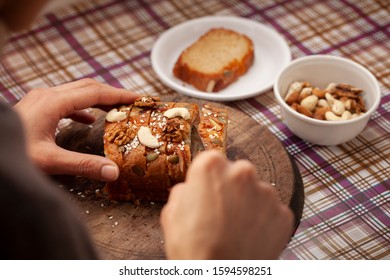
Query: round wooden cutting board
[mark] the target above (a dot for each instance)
(122, 230)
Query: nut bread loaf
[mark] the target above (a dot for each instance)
(215, 60)
(153, 144)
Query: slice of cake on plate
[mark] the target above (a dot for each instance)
(215, 60)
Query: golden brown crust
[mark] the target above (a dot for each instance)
(214, 82)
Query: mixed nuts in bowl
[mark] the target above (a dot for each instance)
(326, 100)
(336, 102)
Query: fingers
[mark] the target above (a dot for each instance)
(271, 206)
(82, 116)
(200, 211)
(88, 93)
(71, 97)
(207, 167)
(241, 173)
(42, 109)
(174, 198)
(56, 160)
(175, 192)
(280, 221)
(287, 217)
(74, 85)
(65, 100)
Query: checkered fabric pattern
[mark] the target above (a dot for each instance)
(347, 187)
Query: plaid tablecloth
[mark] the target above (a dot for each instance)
(347, 187)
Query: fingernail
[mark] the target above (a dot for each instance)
(110, 172)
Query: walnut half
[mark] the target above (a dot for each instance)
(146, 101)
(172, 132)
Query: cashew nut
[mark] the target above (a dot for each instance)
(323, 103)
(355, 115)
(330, 116)
(331, 87)
(305, 92)
(346, 115)
(329, 98)
(310, 102)
(347, 103)
(338, 107)
(115, 116)
(146, 138)
(294, 87)
(177, 112)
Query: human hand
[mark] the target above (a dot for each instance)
(42, 109)
(222, 211)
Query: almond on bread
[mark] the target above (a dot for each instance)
(215, 60)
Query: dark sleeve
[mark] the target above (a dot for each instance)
(37, 221)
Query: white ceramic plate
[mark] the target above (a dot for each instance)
(271, 55)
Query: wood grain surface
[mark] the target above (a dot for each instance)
(122, 230)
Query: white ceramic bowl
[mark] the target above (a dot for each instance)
(320, 70)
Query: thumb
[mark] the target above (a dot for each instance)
(85, 165)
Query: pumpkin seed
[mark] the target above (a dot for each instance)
(227, 73)
(151, 157)
(222, 119)
(138, 170)
(217, 142)
(174, 159)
